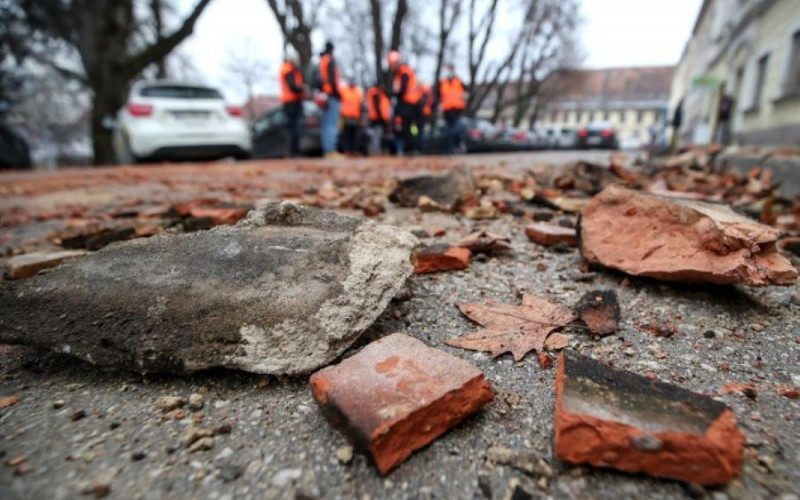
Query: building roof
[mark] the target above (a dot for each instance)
(613, 85)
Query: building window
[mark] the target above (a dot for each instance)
(761, 74)
(793, 77)
(578, 116)
(622, 116)
(639, 116)
(553, 116)
(606, 115)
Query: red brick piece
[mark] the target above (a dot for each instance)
(612, 418)
(397, 395)
(548, 234)
(441, 257)
(29, 264)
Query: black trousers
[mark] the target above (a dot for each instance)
(408, 113)
(294, 114)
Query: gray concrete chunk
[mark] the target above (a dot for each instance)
(283, 292)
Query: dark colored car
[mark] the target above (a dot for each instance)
(271, 139)
(598, 135)
(480, 136)
(14, 151)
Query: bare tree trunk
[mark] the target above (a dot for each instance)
(477, 41)
(397, 25)
(376, 12)
(157, 9)
(445, 28)
(297, 34)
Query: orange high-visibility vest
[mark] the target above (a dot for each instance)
(287, 94)
(384, 111)
(427, 108)
(412, 94)
(324, 73)
(352, 97)
(451, 93)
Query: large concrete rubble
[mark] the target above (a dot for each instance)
(680, 240)
(285, 291)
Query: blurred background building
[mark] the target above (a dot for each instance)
(740, 74)
(633, 100)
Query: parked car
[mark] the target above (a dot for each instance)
(14, 151)
(480, 136)
(599, 135)
(164, 120)
(271, 138)
(630, 143)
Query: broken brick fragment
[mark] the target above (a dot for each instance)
(397, 395)
(680, 240)
(448, 191)
(599, 309)
(548, 234)
(612, 418)
(441, 257)
(219, 216)
(29, 264)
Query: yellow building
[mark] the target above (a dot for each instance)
(749, 51)
(633, 100)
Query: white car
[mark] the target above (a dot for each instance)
(173, 121)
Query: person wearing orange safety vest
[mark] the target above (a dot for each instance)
(329, 85)
(352, 101)
(453, 100)
(424, 114)
(292, 94)
(406, 93)
(379, 112)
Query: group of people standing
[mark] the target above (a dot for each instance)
(404, 113)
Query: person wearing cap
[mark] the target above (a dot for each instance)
(352, 103)
(379, 113)
(292, 94)
(453, 99)
(329, 84)
(406, 93)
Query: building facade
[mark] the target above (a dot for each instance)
(633, 100)
(749, 52)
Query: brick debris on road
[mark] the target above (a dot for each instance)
(682, 335)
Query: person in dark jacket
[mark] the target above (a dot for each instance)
(406, 92)
(292, 94)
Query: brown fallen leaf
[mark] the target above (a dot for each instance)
(8, 401)
(485, 242)
(515, 329)
(556, 341)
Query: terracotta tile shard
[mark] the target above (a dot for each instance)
(548, 234)
(441, 257)
(612, 418)
(599, 309)
(29, 264)
(397, 395)
(680, 240)
(8, 401)
(485, 242)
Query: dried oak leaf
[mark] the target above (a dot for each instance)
(515, 329)
(485, 242)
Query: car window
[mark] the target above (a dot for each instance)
(261, 124)
(179, 92)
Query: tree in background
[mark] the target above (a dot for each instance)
(297, 20)
(104, 45)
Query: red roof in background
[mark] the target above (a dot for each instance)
(256, 106)
(615, 84)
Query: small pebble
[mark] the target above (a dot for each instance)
(710, 334)
(78, 415)
(345, 454)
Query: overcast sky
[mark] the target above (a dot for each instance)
(614, 33)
